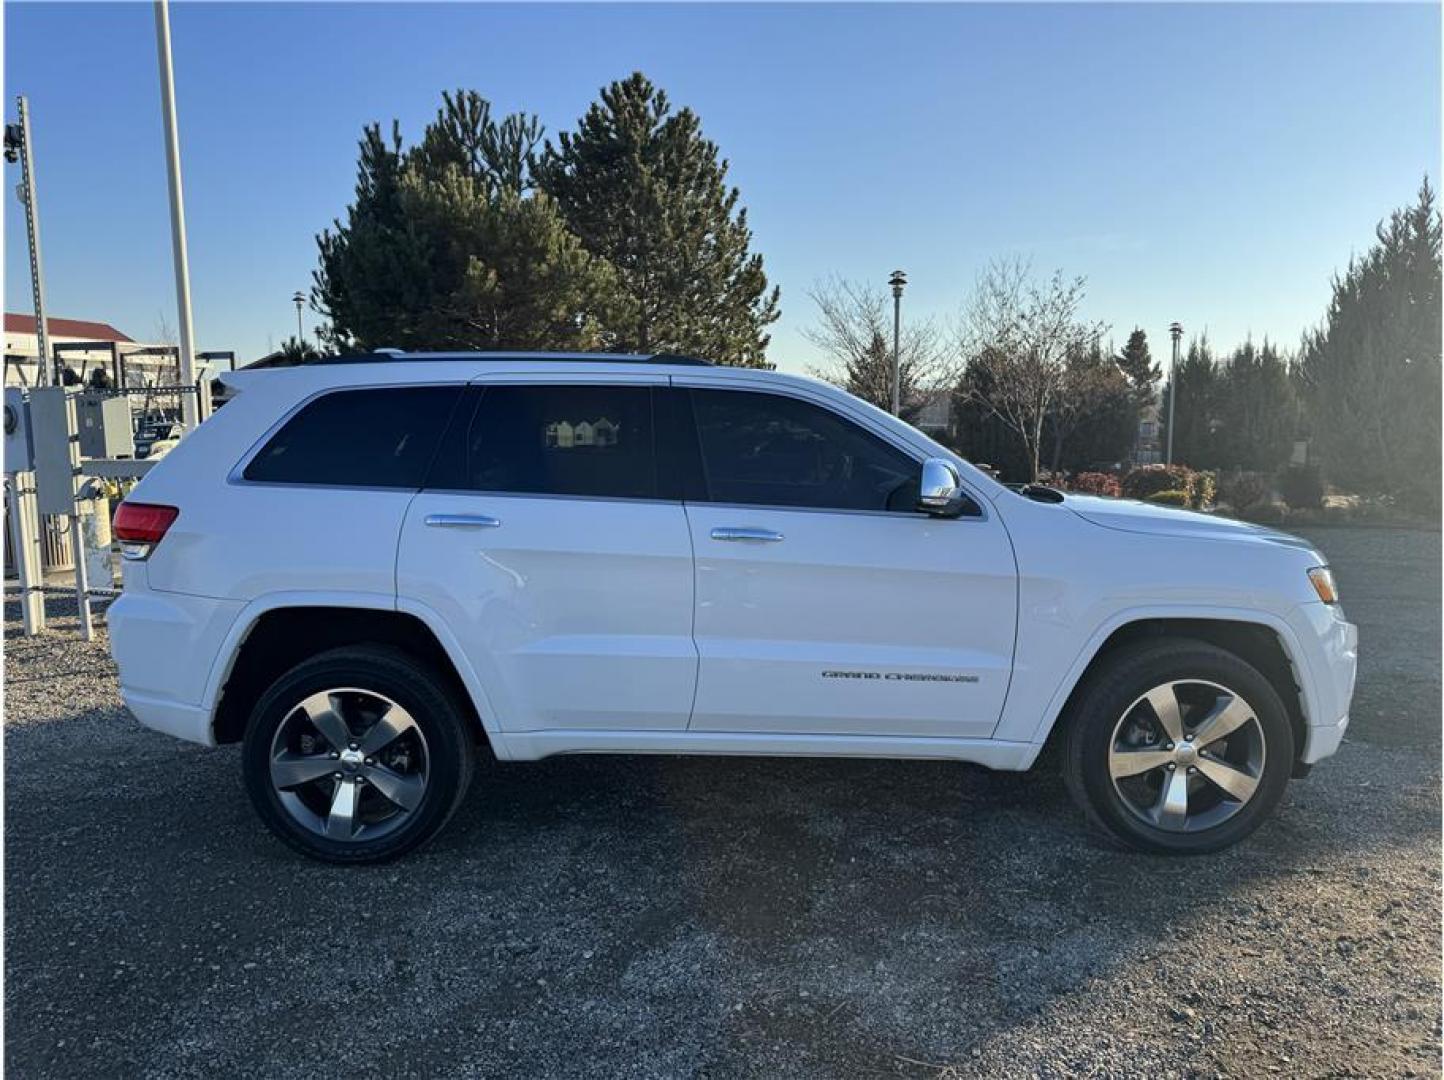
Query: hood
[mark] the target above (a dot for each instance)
(1140, 517)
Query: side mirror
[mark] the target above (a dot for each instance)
(941, 491)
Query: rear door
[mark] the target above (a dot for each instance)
(825, 603)
(541, 539)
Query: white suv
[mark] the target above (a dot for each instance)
(360, 569)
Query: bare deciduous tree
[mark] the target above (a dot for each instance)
(854, 330)
(1015, 339)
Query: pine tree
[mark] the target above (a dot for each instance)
(1095, 420)
(1193, 430)
(1253, 409)
(1138, 367)
(646, 193)
(444, 247)
(1370, 375)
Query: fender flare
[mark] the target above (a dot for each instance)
(251, 613)
(1288, 639)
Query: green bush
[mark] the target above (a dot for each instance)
(1301, 487)
(1172, 497)
(1149, 480)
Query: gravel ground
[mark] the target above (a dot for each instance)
(667, 917)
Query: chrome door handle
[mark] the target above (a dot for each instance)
(462, 521)
(747, 536)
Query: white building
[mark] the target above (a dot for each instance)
(84, 346)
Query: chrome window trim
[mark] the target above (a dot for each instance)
(474, 493)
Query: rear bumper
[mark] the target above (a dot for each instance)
(165, 645)
(189, 722)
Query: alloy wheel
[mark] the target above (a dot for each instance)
(1187, 755)
(349, 765)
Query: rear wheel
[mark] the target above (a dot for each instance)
(1178, 747)
(357, 755)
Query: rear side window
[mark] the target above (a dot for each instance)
(563, 440)
(359, 438)
(770, 450)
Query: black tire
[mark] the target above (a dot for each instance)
(444, 726)
(1110, 692)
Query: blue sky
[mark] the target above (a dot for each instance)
(1212, 164)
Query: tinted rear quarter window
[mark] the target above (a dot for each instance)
(382, 437)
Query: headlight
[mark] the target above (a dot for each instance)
(1322, 579)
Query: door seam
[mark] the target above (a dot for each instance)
(696, 648)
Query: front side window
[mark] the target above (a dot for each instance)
(563, 440)
(382, 437)
(771, 450)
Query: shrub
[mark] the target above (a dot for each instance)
(1203, 490)
(1147, 480)
(1241, 489)
(1301, 487)
(1172, 497)
(1096, 483)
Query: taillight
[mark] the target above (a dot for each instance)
(140, 526)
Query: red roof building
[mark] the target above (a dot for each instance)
(65, 328)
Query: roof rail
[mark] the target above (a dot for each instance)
(381, 356)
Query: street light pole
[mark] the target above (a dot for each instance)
(190, 403)
(1175, 331)
(897, 281)
(298, 300)
(18, 143)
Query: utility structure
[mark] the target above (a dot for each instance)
(19, 146)
(298, 299)
(897, 281)
(190, 406)
(1175, 331)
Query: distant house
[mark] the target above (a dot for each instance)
(1148, 443)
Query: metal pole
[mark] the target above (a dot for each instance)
(897, 281)
(25, 546)
(1175, 331)
(189, 408)
(32, 226)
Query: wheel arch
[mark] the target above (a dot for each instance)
(1259, 643)
(273, 638)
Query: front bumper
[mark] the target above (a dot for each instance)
(1322, 740)
(1326, 669)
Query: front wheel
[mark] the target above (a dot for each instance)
(357, 755)
(1178, 747)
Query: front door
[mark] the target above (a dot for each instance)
(825, 603)
(540, 540)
